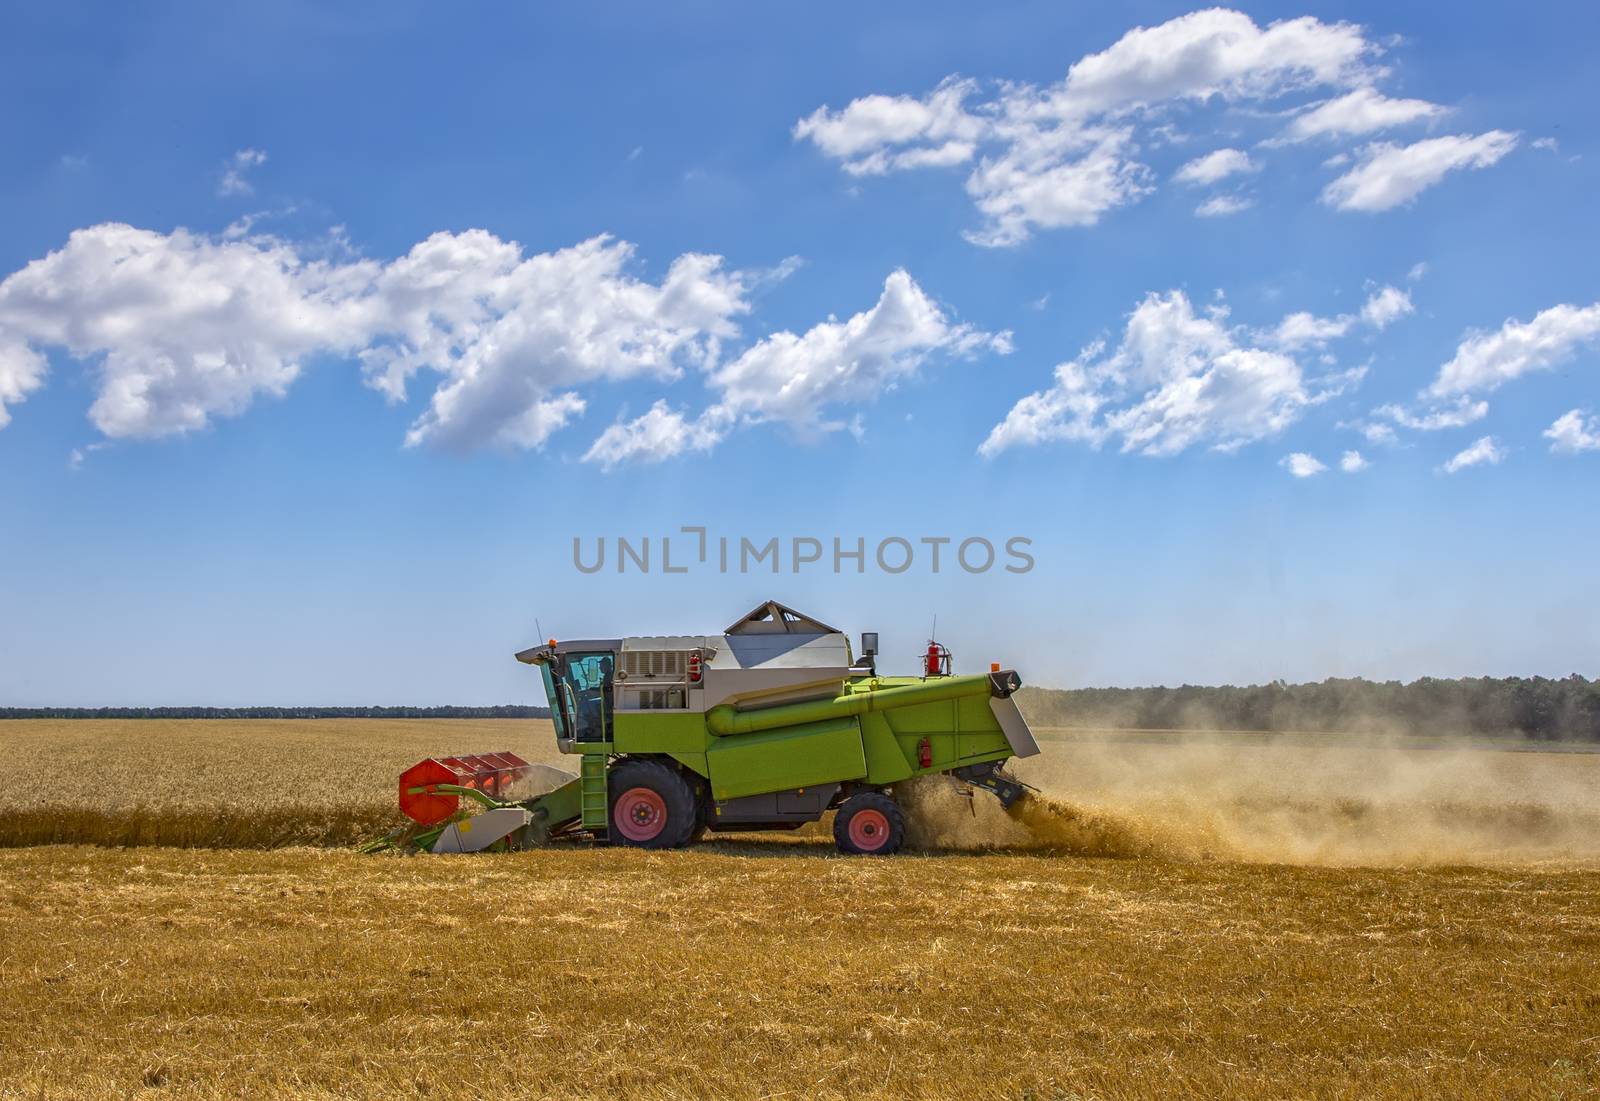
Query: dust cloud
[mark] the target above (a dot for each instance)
(1294, 799)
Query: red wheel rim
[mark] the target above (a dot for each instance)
(869, 829)
(640, 814)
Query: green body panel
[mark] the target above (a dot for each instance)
(563, 805)
(888, 759)
(859, 697)
(871, 731)
(793, 757)
(694, 762)
(658, 732)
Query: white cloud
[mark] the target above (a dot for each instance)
(1418, 270)
(1303, 329)
(1219, 206)
(872, 124)
(658, 435)
(1462, 413)
(1214, 166)
(1375, 433)
(794, 379)
(184, 328)
(187, 327)
(22, 371)
(1301, 465)
(1386, 306)
(1352, 461)
(235, 173)
(1482, 450)
(1573, 432)
(1018, 193)
(1174, 381)
(1363, 111)
(1307, 330)
(1392, 175)
(1063, 154)
(77, 456)
(1483, 361)
(511, 334)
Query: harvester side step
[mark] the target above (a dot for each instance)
(593, 795)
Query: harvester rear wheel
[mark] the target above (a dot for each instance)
(653, 806)
(869, 824)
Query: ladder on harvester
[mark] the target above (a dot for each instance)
(593, 796)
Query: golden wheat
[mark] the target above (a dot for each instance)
(249, 783)
(768, 967)
(760, 969)
(1311, 800)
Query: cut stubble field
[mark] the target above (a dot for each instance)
(1325, 922)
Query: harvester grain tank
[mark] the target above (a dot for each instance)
(768, 725)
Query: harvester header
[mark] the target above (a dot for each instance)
(769, 724)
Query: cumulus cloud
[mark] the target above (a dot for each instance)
(1352, 462)
(1482, 451)
(1386, 306)
(658, 435)
(794, 379)
(797, 380)
(1064, 154)
(1459, 415)
(1573, 432)
(870, 126)
(1375, 432)
(22, 371)
(182, 328)
(1301, 465)
(1303, 329)
(1485, 361)
(1363, 111)
(1393, 175)
(511, 334)
(1214, 166)
(1176, 379)
(235, 173)
(186, 327)
(1219, 206)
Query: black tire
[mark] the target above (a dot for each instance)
(676, 800)
(880, 833)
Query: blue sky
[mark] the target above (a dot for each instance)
(323, 335)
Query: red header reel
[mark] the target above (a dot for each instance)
(491, 773)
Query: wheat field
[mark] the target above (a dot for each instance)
(1239, 918)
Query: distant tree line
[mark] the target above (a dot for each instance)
(1532, 707)
(504, 711)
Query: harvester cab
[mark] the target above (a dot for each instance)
(768, 725)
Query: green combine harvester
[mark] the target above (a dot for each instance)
(766, 726)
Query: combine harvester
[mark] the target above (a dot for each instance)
(766, 726)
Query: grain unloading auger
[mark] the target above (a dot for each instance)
(767, 726)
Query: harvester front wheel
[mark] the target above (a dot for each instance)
(869, 824)
(653, 806)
